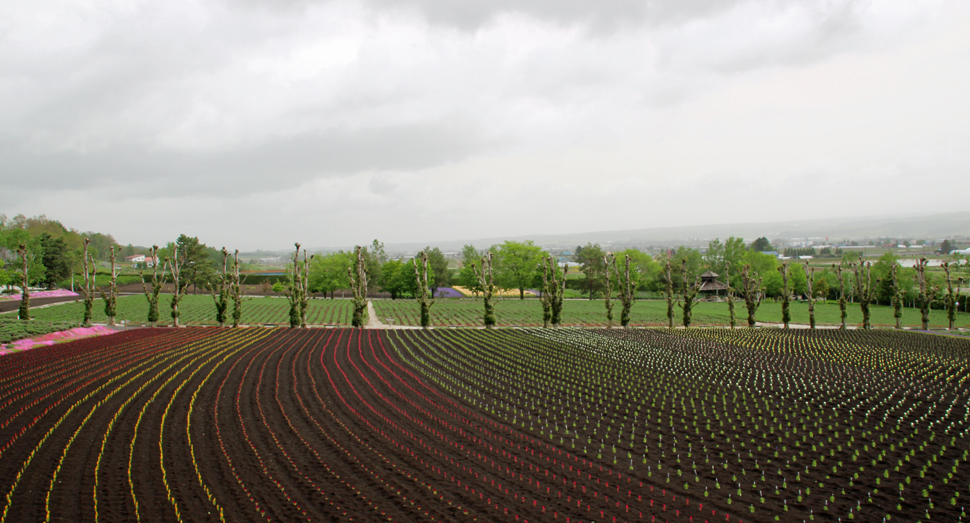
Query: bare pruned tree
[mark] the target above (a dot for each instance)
(865, 290)
(752, 293)
(897, 296)
(487, 282)
(219, 289)
(628, 289)
(926, 293)
(90, 276)
(173, 266)
(669, 293)
(785, 296)
(730, 300)
(23, 312)
(358, 284)
(111, 297)
(843, 313)
(236, 291)
(607, 259)
(689, 294)
(424, 300)
(810, 281)
(951, 299)
(152, 295)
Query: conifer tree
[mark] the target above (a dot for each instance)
(358, 284)
(90, 275)
(423, 299)
(23, 312)
(487, 284)
(689, 294)
(152, 295)
(607, 258)
(111, 297)
(751, 292)
(926, 293)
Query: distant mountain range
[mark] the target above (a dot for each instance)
(913, 227)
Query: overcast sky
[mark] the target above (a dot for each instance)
(257, 123)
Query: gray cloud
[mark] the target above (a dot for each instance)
(482, 108)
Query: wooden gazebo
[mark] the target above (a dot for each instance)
(710, 286)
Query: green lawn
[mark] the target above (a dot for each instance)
(652, 312)
(198, 310)
(12, 329)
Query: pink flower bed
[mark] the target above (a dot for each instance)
(45, 294)
(54, 337)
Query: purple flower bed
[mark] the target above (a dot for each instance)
(446, 292)
(45, 294)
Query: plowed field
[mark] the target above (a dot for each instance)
(205, 424)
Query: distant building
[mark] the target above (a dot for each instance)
(135, 258)
(710, 286)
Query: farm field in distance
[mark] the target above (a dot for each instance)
(196, 309)
(502, 425)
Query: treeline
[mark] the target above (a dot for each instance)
(53, 251)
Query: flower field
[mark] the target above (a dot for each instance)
(705, 425)
(198, 310)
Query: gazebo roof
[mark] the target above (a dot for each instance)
(709, 275)
(712, 286)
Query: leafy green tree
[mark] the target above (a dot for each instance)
(785, 295)
(397, 280)
(761, 245)
(197, 269)
(734, 252)
(714, 257)
(608, 295)
(553, 287)
(329, 273)
(517, 265)
(374, 260)
(590, 259)
(466, 275)
(440, 275)
(57, 263)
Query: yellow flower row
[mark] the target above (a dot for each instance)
(501, 293)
